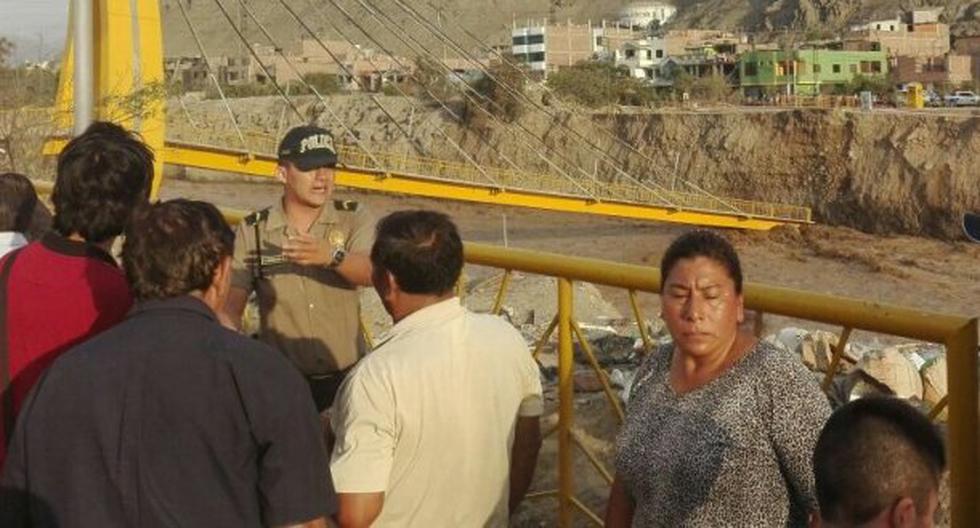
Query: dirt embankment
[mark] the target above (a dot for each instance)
(883, 171)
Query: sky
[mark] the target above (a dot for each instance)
(34, 25)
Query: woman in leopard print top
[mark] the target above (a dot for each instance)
(720, 428)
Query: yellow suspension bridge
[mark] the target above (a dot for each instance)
(115, 50)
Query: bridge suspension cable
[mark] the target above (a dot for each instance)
(464, 86)
(402, 92)
(374, 98)
(210, 70)
(439, 33)
(442, 103)
(605, 129)
(265, 70)
(326, 105)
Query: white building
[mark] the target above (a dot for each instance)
(527, 43)
(546, 47)
(643, 58)
(642, 14)
(889, 24)
(925, 15)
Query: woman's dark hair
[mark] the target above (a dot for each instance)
(173, 248)
(422, 249)
(17, 202)
(703, 243)
(103, 174)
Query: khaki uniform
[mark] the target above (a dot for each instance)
(309, 313)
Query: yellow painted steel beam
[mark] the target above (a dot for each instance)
(366, 179)
(240, 162)
(204, 157)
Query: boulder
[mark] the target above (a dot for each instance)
(934, 386)
(894, 370)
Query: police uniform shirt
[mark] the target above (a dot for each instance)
(310, 313)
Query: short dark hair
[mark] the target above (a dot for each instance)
(17, 202)
(173, 248)
(422, 249)
(872, 452)
(103, 174)
(703, 243)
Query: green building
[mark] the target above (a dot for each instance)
(805, 71)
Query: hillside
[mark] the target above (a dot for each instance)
(490, 19)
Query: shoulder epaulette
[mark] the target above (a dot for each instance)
(257, 217)
(345, 205)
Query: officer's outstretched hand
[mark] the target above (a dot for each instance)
(307, 250)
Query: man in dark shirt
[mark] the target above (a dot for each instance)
(169, 419)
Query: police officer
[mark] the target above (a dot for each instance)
(304, 258)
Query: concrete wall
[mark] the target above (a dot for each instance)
(924, 40)
(949, 69)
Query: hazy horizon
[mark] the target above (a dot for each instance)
(36, 27)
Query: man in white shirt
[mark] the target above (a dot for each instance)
(439, 426)
(17, 202)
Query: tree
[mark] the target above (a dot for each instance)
(596, 84)
(502, 90)
(877, 85)
(431, 80)
(6, 51)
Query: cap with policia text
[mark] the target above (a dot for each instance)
(971, 226)
(308, 148)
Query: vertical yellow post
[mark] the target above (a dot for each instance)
(565, 403)
(964, 453)
(640, 323)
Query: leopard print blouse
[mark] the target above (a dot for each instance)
(734, 452)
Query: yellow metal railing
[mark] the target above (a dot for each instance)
(958, 334)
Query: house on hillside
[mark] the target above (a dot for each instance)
(699, 53)
(918, 33)
(805, 71)
(192, 72)
(969, 45)
(643, 58)
(547, 47)
(946, 71)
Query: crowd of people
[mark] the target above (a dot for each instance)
(132, 397)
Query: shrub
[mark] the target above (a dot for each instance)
(325, 83)
(502, 91)
(597, 84)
